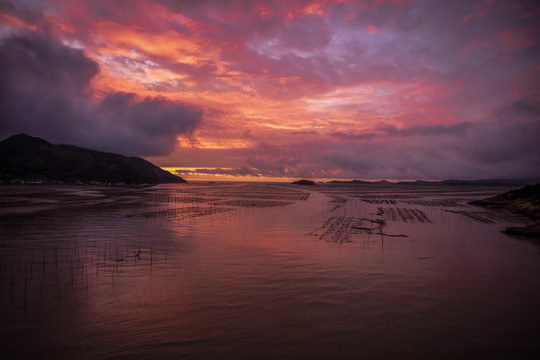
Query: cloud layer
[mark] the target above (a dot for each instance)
(301, 88)
(45, 91)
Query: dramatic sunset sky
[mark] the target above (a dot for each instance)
(368, 89)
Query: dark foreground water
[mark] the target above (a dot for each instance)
(250, 271)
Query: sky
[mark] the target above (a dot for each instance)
(262, 90)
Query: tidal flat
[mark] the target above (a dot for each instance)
(264, 271)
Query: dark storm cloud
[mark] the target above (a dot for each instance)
(427, 130)
(29, 13)
(504, 145)
(418, 130)
(351, 136)
(42, 85)
(510, 139)
(44, 91)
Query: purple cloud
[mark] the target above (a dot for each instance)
(44, 91)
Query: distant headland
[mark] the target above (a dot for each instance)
(524, 201)
(451, 182)
(25, 159)
(303, 182)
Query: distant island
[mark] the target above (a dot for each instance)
(303, 182)
(360, 182)
(25, 159)
(451, 182)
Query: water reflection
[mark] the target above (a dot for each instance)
(263, 271)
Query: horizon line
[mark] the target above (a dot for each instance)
(189, 176)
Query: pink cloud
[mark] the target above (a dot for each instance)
(330, 96)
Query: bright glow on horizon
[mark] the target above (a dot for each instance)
(191, 174)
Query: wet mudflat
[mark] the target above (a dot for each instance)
(205, 271)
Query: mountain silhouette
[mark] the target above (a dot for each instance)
(27, 159)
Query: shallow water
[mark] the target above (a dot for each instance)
(206, 271)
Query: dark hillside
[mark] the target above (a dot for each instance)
(524, 201)
(24, 158)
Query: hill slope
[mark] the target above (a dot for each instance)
(27, 158)
(524, 201)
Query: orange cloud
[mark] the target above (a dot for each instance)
(11, 21)
(272, 77)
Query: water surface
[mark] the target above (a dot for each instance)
(206, 271)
